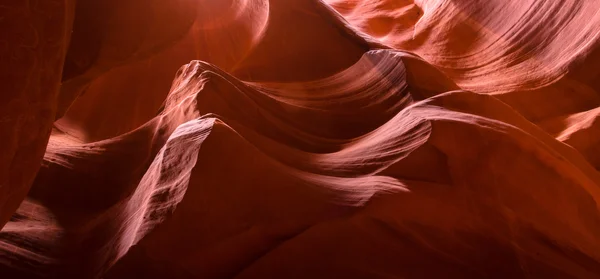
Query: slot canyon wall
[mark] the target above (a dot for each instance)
(299, 139)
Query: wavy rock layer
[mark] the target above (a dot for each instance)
(309, 139)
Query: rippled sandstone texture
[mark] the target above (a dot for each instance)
(299, 139)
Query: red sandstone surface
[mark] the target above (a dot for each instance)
(299, 139)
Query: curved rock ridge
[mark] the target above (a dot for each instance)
(302, 139)
(147, 169)
(522, 44)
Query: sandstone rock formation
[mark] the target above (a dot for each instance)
(300, 139)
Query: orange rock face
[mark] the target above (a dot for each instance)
(300, 139)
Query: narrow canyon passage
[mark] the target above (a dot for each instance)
(299, 139)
